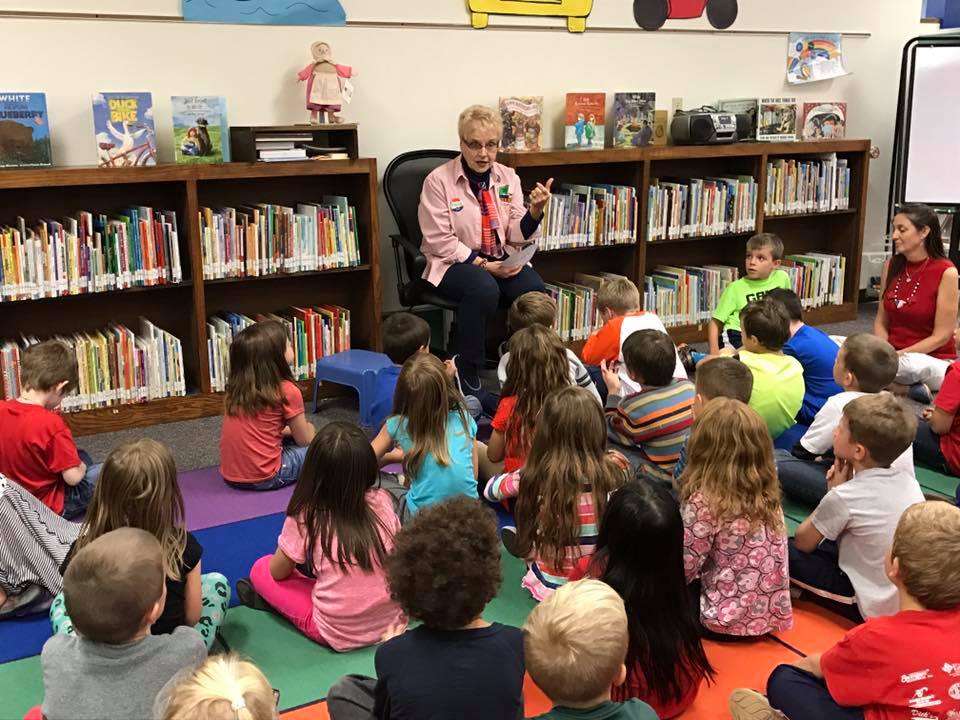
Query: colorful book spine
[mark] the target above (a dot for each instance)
(807, 186)
(588, 216)
(817, 278)
(701, 207)
(686, 295)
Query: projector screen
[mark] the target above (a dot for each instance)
(933, 150)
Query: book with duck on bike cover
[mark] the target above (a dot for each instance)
(124, 130)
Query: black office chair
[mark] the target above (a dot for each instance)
(402, 183)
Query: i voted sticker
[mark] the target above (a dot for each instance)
(456, 205)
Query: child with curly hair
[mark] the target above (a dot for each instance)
(444, 569)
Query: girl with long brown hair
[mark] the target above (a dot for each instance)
(562, 490)
(735, 540)
(265, 430)
(430, 423)
(138, 488)
(537, 366)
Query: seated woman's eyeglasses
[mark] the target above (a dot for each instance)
(477, 146)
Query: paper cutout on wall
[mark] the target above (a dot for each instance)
(266, 12)
(575, 11)
(652, 14)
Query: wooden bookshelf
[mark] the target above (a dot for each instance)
(182, 309)
(839, 231)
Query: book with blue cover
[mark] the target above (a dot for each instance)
(123, 125)
(24, 130)
(200, 131)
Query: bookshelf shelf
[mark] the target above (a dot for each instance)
(838, 232)
(557, 251)
(183, 308)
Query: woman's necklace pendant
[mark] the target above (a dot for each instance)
(901, 303)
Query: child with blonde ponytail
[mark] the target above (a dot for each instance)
(225, 687)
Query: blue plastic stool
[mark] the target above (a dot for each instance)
(356, 368)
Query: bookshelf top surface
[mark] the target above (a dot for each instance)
(679, 152)
(54, 176)
(295, 128)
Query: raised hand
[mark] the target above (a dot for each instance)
(538, 198)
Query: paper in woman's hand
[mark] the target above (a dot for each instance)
(521, 257)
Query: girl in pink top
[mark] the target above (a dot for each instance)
(265, 431)
(340, 524)
(735, 541)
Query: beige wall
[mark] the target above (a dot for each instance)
(412, 81)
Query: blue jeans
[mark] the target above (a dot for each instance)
(801, 480)
(801, 696)
(77, 497)
(291, 462)
(926, 449)
(819, 573)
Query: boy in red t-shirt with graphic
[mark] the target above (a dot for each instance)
(36, 446)
(898, 667)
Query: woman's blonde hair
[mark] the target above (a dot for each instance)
(569, 455)
(479, 115)
(138, 488)
(730, 462)
(224, 687)
(424, 398)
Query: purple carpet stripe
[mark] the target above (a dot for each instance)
(210, 501)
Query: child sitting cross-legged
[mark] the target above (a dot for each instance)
(444, 569)
(777, 378)
(537, 308)
(562, 491)
(404, 335)
(717, 376)
(735, 541)
(837, 553)
(938, 433)
(339, 524)
(114, 668)
(225, 687)
(618, 301)
(901, 666)
(652, 423)
(864, 365)
(640, 555)
(576, 646)
(138, 488)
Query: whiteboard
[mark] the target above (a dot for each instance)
(934, 135)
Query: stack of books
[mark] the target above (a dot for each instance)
(255, 240)
(589, 215)
(314, 332)
(686, 295)
(284, 147)
(89, 253)
(805, 186)
(699, 207)
(117, 366)
(817, 278)
(577, 314)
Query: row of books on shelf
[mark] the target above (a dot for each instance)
(117, 366)
(695, 207)
(685, 295)
(577, 314)
(89, 253)
(314, 332)
(254, 240)
(801, 186)
(589, 215)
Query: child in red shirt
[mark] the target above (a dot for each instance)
(264, 409)
(897, 667)
(937, 443)
(36, 446)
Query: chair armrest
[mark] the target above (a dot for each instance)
(401, 242)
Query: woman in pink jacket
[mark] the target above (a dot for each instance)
(472, 217)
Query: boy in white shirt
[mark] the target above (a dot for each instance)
(865, 365)
(838, 552)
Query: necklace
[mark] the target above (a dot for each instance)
(915, 280)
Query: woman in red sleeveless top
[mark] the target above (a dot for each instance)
(918, 308)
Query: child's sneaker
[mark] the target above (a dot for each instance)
(686, 358)
(920, 393)
(750, 705)
(508, 536)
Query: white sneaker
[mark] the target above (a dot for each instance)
(748, 704)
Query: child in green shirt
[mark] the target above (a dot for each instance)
(778, 385)
(764, 252)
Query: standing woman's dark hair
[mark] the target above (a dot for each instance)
(921, 217)
(330, 497)
(640, 555)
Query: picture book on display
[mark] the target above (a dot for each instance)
(742, 106)
(777, 120)
(633, 119)
(823, 121)
(584, 121)
(123, 126)
(24, 130)
(522, 122)
(200, 131)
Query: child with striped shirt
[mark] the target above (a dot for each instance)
(562, 490)
(653, 423)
